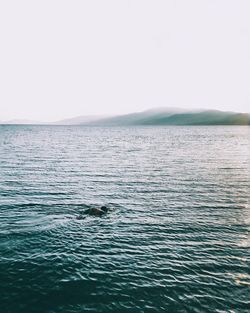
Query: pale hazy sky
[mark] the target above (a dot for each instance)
(78, 57)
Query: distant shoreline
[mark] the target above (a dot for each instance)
(155, 117)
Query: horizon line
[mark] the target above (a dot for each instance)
(29, 121)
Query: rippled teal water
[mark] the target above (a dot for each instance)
(177, 239)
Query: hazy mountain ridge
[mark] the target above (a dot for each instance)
(176, 117)
(78, 120)
(154, 117)
(21, 122)
(69, 121)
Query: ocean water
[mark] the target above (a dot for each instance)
(177, 237)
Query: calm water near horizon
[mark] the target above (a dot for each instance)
(177, 238)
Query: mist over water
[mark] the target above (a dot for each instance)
(176, 240)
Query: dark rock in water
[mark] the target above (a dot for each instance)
(96, 211)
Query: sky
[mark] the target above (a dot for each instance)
(62, 59)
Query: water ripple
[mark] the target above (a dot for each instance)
(176, 240)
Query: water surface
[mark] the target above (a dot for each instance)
(177, 239)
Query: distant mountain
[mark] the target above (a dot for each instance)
(78, 120)
(154, 117)
(138, 118)
(20, 122)
(175, 116)
(70, 121)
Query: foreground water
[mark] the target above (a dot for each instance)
(177, 239)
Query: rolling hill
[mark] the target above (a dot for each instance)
(175, 117)
(154, 117)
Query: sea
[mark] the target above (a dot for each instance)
(176, 237)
